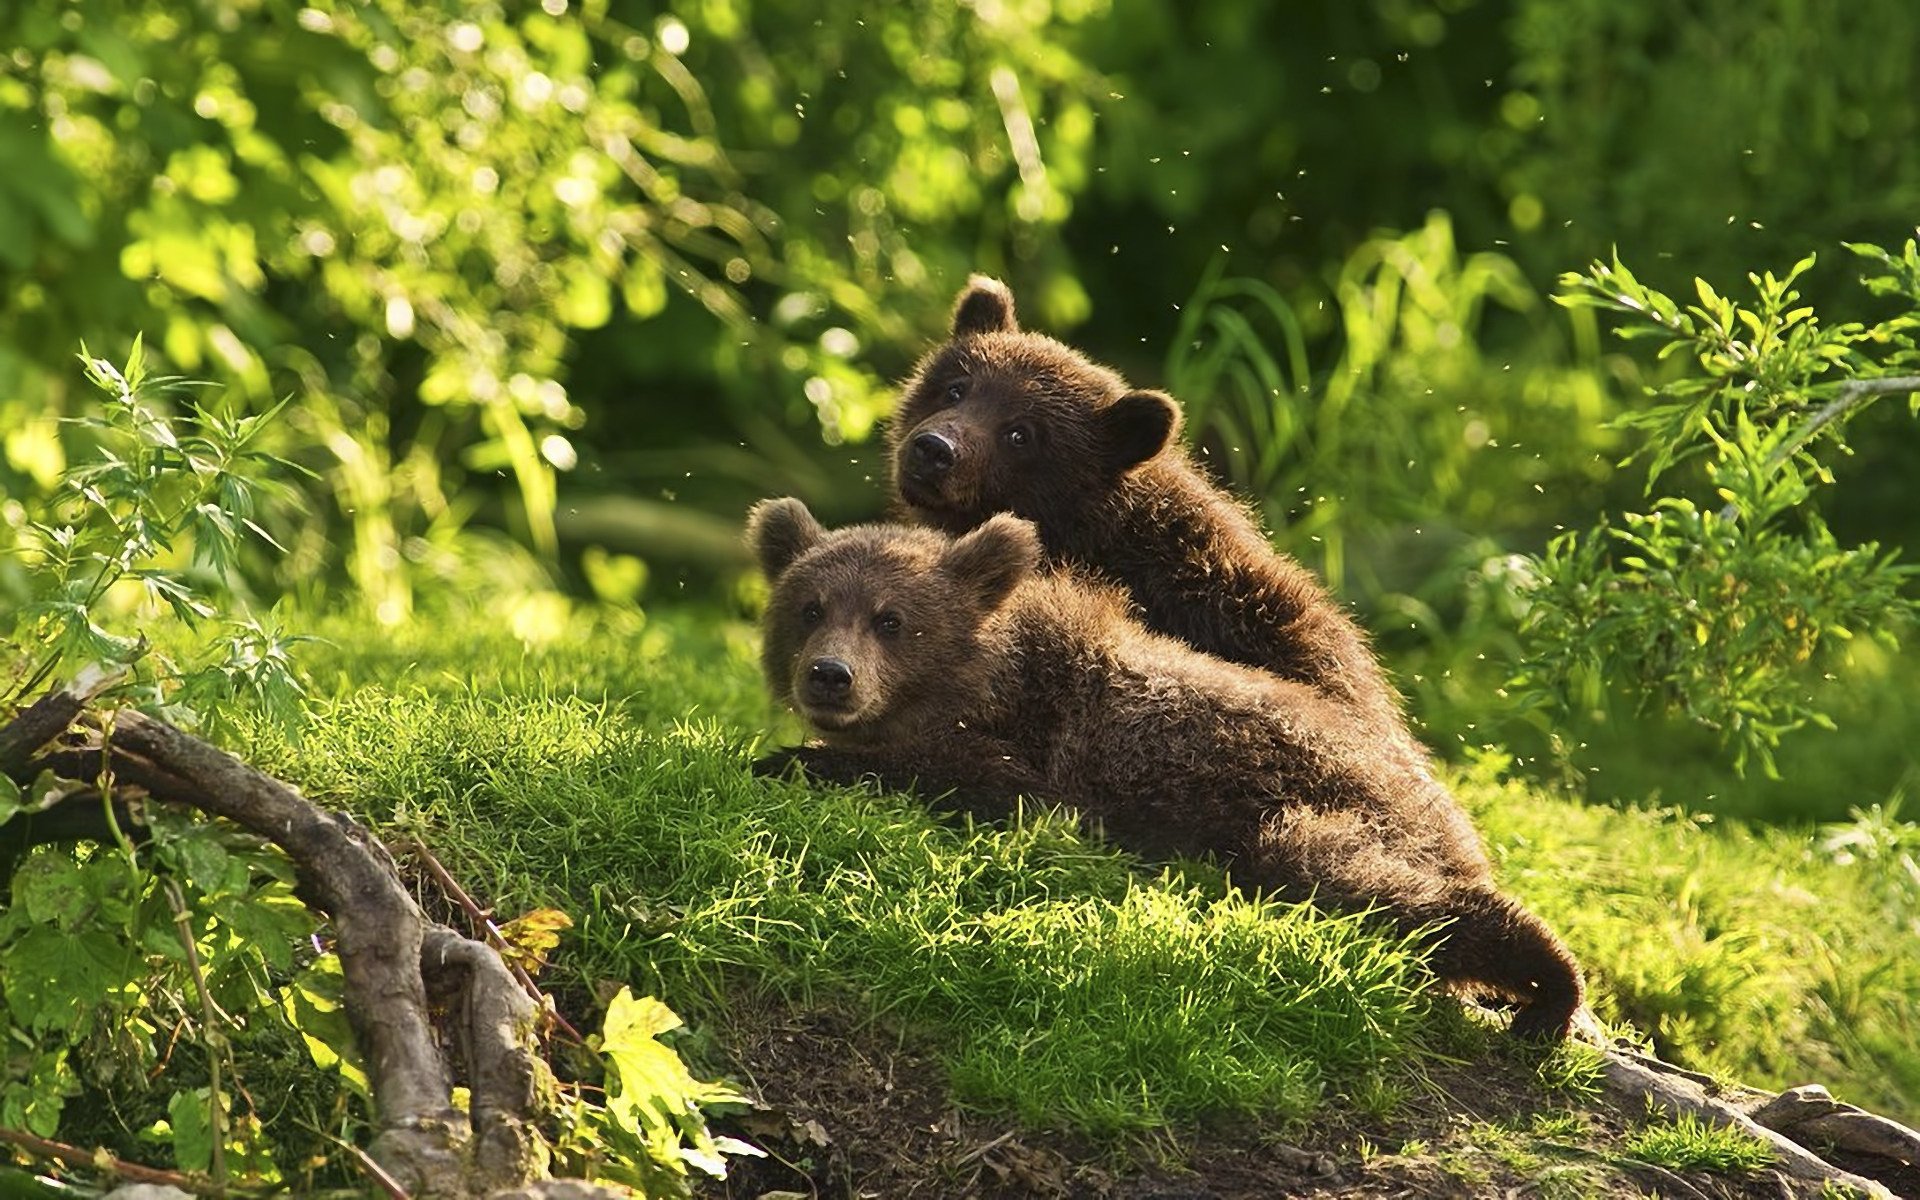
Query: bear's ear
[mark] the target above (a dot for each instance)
(986, 306)
(993, 559)
(1136, 427)
(779, 532)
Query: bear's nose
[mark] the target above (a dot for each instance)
(930, 454)
(829, 679)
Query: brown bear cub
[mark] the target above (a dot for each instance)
(915, 655)
(997, 419)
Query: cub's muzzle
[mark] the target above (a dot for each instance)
(930, 455)
(828, 684)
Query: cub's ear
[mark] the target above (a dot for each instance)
(986, 306)
(992, 560)
(779, 532)
(1136, 427)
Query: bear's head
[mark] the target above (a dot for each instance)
(876, 634)
(997, 419)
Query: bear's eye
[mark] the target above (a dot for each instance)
(1018, 436)
(887, 623)
(956, 391)
(811, 613)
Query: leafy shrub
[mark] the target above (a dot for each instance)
(1722, 610)
(165, 928)
(161, 511)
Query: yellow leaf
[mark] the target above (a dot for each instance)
(532, 936)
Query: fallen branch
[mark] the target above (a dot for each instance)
(1811, 1113)
(1643, 1082)
(100, 1160)
(52, 715)
(483, 922)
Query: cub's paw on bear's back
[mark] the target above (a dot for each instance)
(999, 419)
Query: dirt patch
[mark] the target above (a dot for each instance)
(861, 1111)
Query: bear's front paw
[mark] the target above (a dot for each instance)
(818, 764)
(780, 763)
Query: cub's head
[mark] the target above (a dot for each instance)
(877, 634)
(999, 420)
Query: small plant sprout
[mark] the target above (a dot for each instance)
(164, 504)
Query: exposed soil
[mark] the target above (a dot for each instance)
(857, 1111)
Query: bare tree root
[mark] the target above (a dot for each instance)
(1810, 1113)
(1638, 1082)
(495, 1026)
(50, 716)
(393, 959)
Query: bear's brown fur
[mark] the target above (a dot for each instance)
(953, 662)
(998, 419)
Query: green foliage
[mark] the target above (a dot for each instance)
(109, 962)
(1712, 611)
(1411, 425)
(110, 954)
(410, 218)
(1720, 133)
(369, 201)
(161, 510)
(1687, 1143)
(652, 1132)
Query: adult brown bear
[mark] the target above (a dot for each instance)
(953, 662)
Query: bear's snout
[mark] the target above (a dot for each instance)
(829, 682)
(930, 455)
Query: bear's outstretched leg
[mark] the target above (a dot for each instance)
(1475, 934)
(1493, 940)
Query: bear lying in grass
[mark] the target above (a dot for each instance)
(954, 662)
(997, 419)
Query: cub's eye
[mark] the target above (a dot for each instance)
(1018, 436)
(811, 613)
(887, 623)
(956, 391)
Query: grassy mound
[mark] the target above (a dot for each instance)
(604, 773)
(607, 777)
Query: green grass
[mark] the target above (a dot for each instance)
(1687, 1143)
(605, 773)
(1770, 955)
